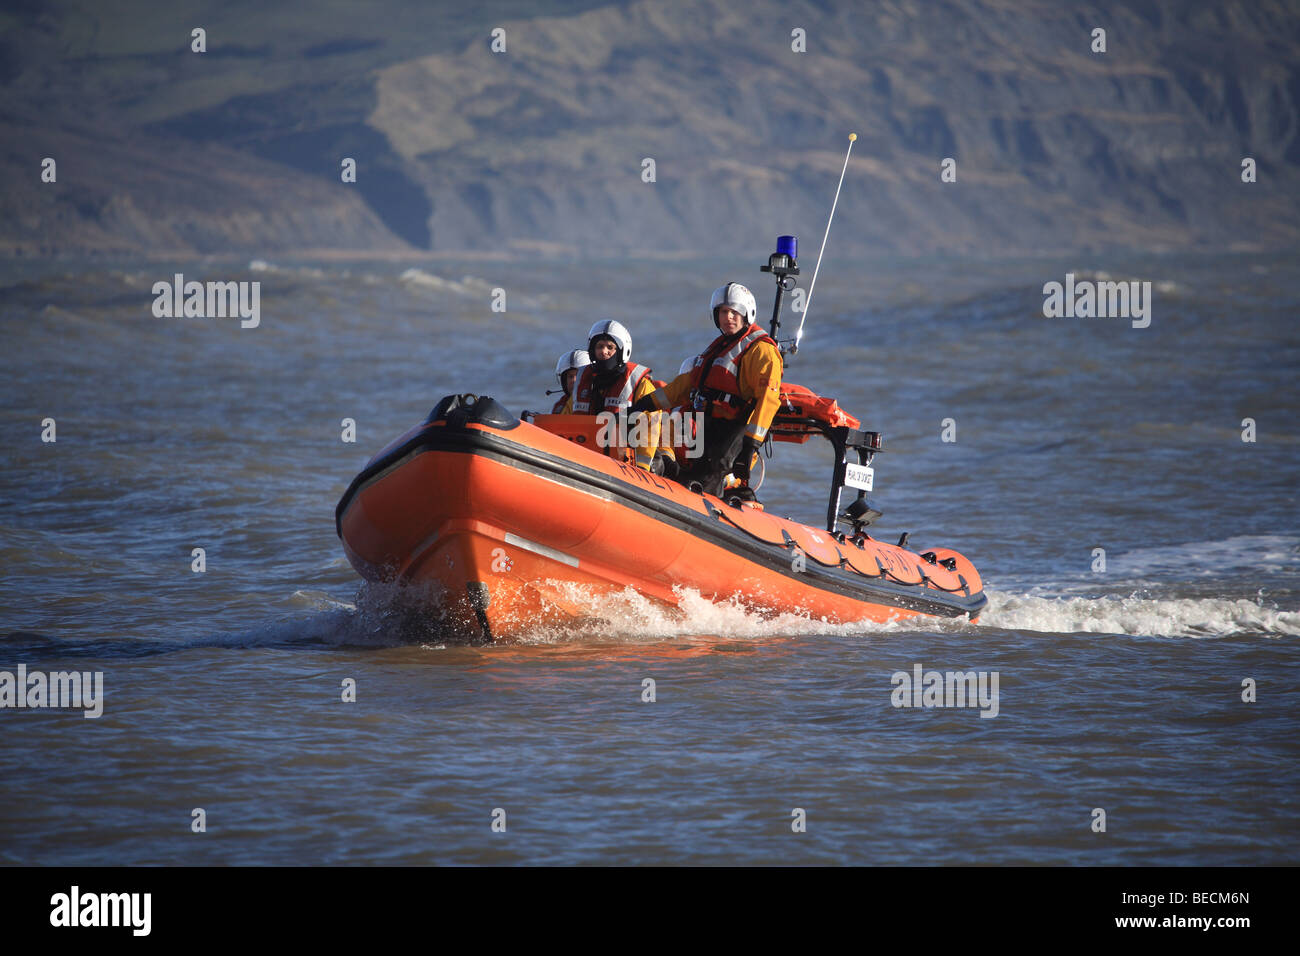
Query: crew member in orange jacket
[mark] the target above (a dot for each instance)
(612, 382)
(736, 383)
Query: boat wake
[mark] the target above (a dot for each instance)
(629, 617)
(393, 615)
(389, 615)
(1169, 617)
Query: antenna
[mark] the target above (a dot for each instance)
(813, 285)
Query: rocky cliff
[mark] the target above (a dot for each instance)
(743, 108)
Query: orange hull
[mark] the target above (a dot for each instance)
(516, 526)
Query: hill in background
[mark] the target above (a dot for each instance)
(540, 148)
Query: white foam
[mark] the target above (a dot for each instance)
(469, 287)
(320, 601)
(1174, 617)
(629, 616)
(427, 280)
(394, 614)
(261, 265)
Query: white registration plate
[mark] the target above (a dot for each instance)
(859, 476)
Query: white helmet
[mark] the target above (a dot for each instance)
(736, 296)
(615, 331)
(578, 359)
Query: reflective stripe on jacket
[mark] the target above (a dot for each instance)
(734, 377)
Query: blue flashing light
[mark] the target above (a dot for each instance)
(787, 246)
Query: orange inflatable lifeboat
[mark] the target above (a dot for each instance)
(516, 523)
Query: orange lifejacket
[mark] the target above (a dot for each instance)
(719, 392)
(618, 394)
(558, 407)
(588, 400)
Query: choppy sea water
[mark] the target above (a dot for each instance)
(1119, 689)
